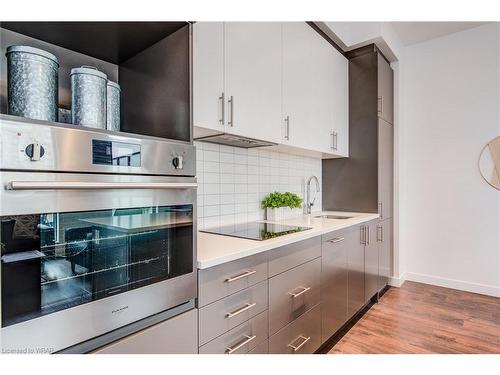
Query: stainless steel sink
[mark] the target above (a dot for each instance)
(338, 217)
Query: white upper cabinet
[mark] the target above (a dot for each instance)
(277, 82)
(208, 76)
(253, 79)
(315, 84)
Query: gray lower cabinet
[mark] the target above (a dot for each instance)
(302, 336)
(292, 293)
(241, 339)
(356, 271)
(231, 311)
(177, 335)
(384, 237)
(289, 256)
(371, 260)
(220, 281)
(334, 279)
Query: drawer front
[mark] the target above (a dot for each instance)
(241, 339)
(292, 293)
(220, 281)
(293, 255)
(176, 335)
(231, 311)
(302, 336)
(261, 348)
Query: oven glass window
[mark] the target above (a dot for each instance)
(51, 262)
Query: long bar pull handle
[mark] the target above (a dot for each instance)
(231, 114)
(368, 234)
(247, 306)
(297, 347)
(333, 140)
(362, 235)
(380, 104)
(296, 294)
(222, 99)
(69, 185)
(232, 349)
(379, 233)
(336, 239)
(287, 128)
(241, 276)
(336, 138)
(380, 213)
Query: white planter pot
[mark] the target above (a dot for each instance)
(282, 213)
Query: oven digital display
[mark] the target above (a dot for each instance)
(116, 153)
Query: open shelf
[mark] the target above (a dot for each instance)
(150, 61)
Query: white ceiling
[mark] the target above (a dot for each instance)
(416, 32)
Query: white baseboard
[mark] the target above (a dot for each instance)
(397, 281)
(488, 290)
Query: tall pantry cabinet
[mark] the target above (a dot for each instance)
(364, 181)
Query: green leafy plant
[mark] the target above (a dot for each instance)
(277, 199)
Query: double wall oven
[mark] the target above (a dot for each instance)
(98, 231)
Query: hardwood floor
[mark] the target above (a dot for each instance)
(420, 318)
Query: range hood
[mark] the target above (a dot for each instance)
(234, 140)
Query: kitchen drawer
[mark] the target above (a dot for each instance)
(220, 281)
(292, 293)
(227, 313)
(302, 336)
(293, 255)
(241, 339)
(261, 348)
(177, 335)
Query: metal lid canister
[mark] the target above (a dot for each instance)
(32, 81)
(88, 97)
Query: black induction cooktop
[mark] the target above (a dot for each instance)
(255, 230)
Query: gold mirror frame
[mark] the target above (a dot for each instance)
(489, 163)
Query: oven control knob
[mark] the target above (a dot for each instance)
(35, 151)
(178, 162)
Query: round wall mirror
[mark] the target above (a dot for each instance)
(489, 163)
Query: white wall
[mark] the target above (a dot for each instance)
(233, 181)
(450, 108)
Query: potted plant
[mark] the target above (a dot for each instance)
(281, 206)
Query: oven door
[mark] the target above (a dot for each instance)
(82, 255)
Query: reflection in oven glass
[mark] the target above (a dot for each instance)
(55, 261)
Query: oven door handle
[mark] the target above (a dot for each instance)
(52, 185)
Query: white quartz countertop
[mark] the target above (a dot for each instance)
(215, 249)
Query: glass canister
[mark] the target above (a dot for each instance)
(113, 106)
(88, 97)
(32, 81)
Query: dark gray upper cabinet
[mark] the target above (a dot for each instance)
(363, 182)
(385, 169)
(385, 85)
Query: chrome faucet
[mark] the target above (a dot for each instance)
(309, 204)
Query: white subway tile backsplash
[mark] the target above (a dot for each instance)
(233, 181)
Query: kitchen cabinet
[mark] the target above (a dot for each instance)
(334, 279)
(276, 82)
(208, 76)
(371, 260)
(315, 91)
(385, 168)
(385, 85)
(253, 79)
(384, 237)
(356, 271)
(177, 335)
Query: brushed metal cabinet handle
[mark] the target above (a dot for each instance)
(380, 210)
(232, 349)
(297, 347)
(287, 128)
(336, 239)
(362, 235)
(380, 104)
(231, 108)
(336, 139)
(247, 306)
(296, 294)
(333, 140)
(222, 99)
(241, 276)
(379, 233)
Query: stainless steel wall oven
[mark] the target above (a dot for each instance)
(98, 231)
